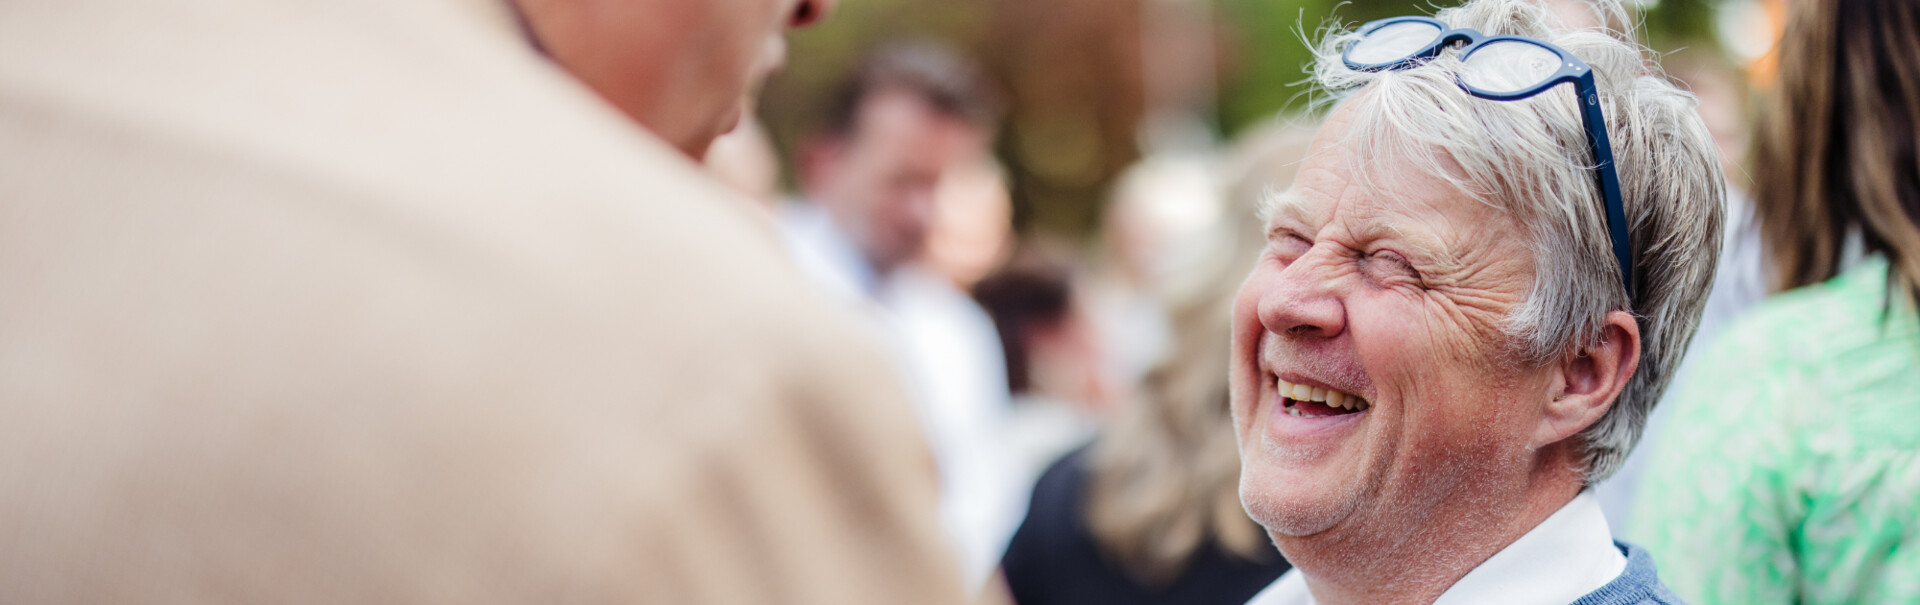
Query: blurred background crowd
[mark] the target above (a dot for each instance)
(1049, 206)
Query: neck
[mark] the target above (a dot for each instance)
(1421, 557)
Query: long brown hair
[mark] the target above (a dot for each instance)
(1837, 151)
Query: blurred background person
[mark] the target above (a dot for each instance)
(1160, 215)
(971, 234)
(423, 302)
(1041, 331)
(1791, 468)
(913, 115)
(1055, 364)
(1150, 512)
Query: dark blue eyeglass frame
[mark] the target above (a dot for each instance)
(1571, 69)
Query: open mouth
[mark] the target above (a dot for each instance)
(1303, 401)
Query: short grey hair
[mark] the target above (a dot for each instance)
(1531, 159)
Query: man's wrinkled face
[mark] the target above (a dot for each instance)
(1370, 376)
(879, 182)
(679, 67)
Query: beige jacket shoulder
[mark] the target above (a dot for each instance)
(359, 301)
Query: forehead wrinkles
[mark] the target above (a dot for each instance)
(1317, 179)
(1319, 191)
(1359, 144)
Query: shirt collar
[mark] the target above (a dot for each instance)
(1560, 560)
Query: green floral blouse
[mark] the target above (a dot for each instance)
(1790, 472)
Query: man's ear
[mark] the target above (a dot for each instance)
(1588, 381)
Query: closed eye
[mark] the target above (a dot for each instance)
(1288, 246)
(1389, 267)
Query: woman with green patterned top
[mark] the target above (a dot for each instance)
(1791, 470)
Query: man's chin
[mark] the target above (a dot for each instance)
(1288, 507)
(730, 121)
(1296, 521)
(698, 148)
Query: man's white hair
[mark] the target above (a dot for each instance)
(1531, 158)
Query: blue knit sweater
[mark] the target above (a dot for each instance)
(1638, 585)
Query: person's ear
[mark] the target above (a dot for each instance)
(808, 12)
(1589, 381)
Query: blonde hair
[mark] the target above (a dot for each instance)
(1164, 477)
(1530, 158)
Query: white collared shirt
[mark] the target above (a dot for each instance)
(1560, 560)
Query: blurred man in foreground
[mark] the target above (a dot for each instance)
(367, 302)
(911, 117)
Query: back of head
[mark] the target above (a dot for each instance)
(678, 67)
(1839, 150)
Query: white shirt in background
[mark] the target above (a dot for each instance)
(946, 349)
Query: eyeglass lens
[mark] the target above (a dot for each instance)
(1509, 66)
(1393, 42)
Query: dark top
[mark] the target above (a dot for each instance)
(1054, 560)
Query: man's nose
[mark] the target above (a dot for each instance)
(1303, 300)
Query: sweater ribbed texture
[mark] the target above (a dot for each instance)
(1638, 585)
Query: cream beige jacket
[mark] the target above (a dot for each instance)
(360, 301)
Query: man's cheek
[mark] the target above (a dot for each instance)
(1441, 334)
(1392, 336)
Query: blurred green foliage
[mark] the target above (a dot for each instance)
(1269, 43)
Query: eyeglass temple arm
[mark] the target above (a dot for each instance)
(1609, 177)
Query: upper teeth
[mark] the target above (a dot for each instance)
(1332, 398)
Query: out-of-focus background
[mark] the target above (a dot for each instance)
(1094, 85)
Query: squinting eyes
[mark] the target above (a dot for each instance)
(1290, 246)
(1379, 265)
(1387, 264)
